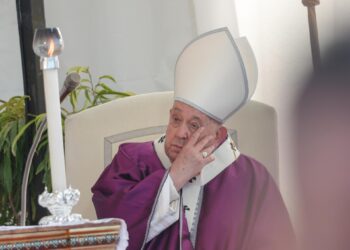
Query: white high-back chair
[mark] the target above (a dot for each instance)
(92, 137)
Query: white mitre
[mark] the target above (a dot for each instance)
(216, 74)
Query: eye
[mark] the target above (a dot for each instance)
(176, 120)
(194, 126)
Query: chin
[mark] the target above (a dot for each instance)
(172, 156)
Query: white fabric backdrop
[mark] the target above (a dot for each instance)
(135, 41)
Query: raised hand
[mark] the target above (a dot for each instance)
(196, 154)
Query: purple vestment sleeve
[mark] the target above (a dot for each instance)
(127, 189)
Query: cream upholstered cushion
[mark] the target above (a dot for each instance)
(92, 137)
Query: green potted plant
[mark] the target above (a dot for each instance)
(16, 136)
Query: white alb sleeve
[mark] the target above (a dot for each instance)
(166, 211)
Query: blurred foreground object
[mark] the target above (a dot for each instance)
(323, 142)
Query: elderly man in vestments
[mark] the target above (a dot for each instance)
(192, 188)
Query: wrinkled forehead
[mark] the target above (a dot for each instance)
(189, 112)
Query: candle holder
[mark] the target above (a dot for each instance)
(48, 44)
(60, 205)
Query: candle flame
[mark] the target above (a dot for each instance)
(51, 48)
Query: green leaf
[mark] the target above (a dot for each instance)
(85, 80)
(122, 94)
(4, 132)
(7, 172)
(87, 101)
(78, 69)
(81, 87)
(106, 87)
(87, 95)
(43, 143)
(112, 92)
(18, 136)
(130, 93)
(39, 119)
(73, 100)
(108, 77)
(104, 99)
(19, 159)
(64, 111)
(3, 106)
(41, 166)
(1, 172)
(14, 130)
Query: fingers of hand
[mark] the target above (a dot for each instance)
(209, 150)
(209, 159)
(205, 142)
(195, 136)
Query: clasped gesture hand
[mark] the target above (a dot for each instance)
(193, 157)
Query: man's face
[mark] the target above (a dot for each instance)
(183, 122)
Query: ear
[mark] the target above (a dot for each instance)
(221, 135)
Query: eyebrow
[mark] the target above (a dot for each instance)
(197, 118)
(192, 118)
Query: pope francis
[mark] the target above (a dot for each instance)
(192, 188)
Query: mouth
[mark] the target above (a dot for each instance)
(176, 148)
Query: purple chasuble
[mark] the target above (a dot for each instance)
(242, 208)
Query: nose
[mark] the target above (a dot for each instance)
(182, 132)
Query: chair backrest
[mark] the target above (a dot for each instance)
(92, 137)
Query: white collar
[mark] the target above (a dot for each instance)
(225, 155)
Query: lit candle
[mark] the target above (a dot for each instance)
(48, 44)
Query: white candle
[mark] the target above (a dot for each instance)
(54, 126)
